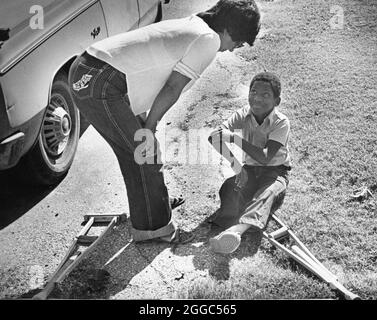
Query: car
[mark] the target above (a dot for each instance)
(40, 125)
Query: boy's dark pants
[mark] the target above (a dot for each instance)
(100, 93)
(263, 194)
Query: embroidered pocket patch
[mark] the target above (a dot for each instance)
(82, 83)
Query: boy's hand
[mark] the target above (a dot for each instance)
(241, 179)
(221, 135)
(226, 135)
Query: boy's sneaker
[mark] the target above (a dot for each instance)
(225, 242)
(183, 237)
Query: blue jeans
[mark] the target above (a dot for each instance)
(263, 194)
(100, 93)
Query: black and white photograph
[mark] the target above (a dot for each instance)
(208, 151)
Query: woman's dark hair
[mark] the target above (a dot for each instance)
(241, 18)
(4, 34)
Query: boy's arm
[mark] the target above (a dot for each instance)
(224, 133)
(217, 139)
(263, 156)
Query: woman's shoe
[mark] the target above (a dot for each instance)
(225, 242)
(179, 237)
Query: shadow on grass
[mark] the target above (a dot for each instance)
(219, 267)
(217, 264)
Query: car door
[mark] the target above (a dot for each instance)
(148, 10)
(120, 15)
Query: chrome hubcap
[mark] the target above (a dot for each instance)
(57, 126)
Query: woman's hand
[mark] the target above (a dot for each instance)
(241, 179)
(151, 148)
(142, 118)
(148, 151)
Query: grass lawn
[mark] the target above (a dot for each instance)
(329, 93)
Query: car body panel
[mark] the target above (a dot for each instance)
(16, 11)
(24, 39)
(11, 153)
(147, 10)
(122, 11)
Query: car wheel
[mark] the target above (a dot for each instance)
(51, 157)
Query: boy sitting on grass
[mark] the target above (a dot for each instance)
(248, 198)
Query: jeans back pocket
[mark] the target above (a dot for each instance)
(82, 81)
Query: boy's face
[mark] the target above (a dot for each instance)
(262, 99)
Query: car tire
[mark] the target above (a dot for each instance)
(49, 161)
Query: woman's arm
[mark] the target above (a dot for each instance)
(167, 96)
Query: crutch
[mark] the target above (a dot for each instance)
(301, 254)
(73, 256)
